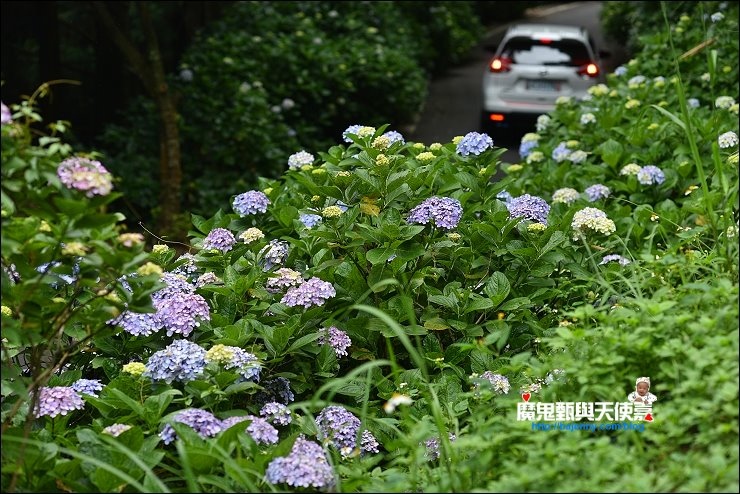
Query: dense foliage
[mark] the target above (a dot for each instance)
(366, 321)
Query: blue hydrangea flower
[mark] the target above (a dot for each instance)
(525, 148)
(201, 421)
(432, 446)
(499, 382)
(649, 175)
(620, 71)
(220, 239)
(444, 211)
(623, 261)
(88, 387)
(309, 293)
(474, 143)
(305, 466)
(185, 266)
(181, 360)
(504, 196)
(275, 390)
(276, 413)
(251, 202)
(310, 220)
(336, 338)
(340, 427)
(596, 192)
(561, 152)
(352, 129)
(394, 137)
(274, 253)
(182, 312)
(137, 324)
(262, 431)
(300, 159)
(693, 103)
(529, 207)
(57, 400)
(246, 364)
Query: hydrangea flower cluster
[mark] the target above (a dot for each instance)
(5, 115)
(251, 235)
(180, 312)
(305, 466)
(588, 118)
(186, 265)
(259, 429)
(246, 364)
(57, 400)
(593, 219)
(275, 390)
(137, 324)
(529, 207)
(202, 421)
(309, 293)
(339, 427)
(286, 278)
(630, 169)
(578, 156)
(500, 383)
(276, 413)
(561, 152)
(597, 191)
(565, 195)
(274, 253)
(87, 387)
(358, 130)
(181, 360)
(727, 140)
(86, 175)
(336, 338)
(220, 239)
(525, 148)
(251, 202)
(300, 159)
(116, 430)
(543, 121)
(623, 261)
(445, 211)
(394, 137)
(649, 175)
(309, 220)
(432, 446)
(474, 143)
(208, 278)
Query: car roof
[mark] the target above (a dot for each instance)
(537, 29)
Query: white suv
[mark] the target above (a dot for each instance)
(534, 65)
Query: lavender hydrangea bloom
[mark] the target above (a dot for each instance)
(620, 71)
(275, 252)
(529, 207)
(262, 431)
(445, 211)
(251, 202)
(352, 129)
(246, 364)
(525, 148)
(499, 383)
(650, 174)
(310, 220)
(57, 400)
(276, 413)
(300, 159)
(181, 361)
(394, 137)
(336, 338)
(275, 390)
(474, 143)
(286, 278)
(623, 261)
(309, 293)
(561, 152)
(693, 103)
(86, 175)
(116, 430)
(432, 446)
(340, 427)
(202, 421)
(186, 265)
(220, 239)
(137, 324)
(305, 466)
(504, 196)
(182, 312)
(88, 387)
(597, 191)
(5, 116)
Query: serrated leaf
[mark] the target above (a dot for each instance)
(497, 288)
(436, 324)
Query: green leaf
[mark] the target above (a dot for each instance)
(611, 151)
(497, 288)
(380, 254)
(478, 303)
(436, 324)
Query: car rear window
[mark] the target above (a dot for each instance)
(528, 51)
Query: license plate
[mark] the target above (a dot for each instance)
(542, 85)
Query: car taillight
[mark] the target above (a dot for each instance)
(589, 69)
(500, 64)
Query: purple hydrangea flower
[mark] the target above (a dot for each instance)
(474, 143)
(202, 421)
(445, 211)
(88, 387)
(504, 196)
(305, 466)
(57, 400)
(623, 261)
(251, 202)
(175, 283)
(529, 207)
(432, 446)
(246, 364)
(137, 324)
(286, 278)
(86, 175)
(182, 312)
(181, 360)
(309, 293)
(340, 427)
(336, 338)
(597, 191)
(394, 137)
(275, 390)
(5, 115)
(650, 174)
(275, 253)
(208, 278)
(310, 220)
(276, 413)
(525, 148)
(186, 265)
(262, 431)
(219, 238)
(561, 152)
(499, 383)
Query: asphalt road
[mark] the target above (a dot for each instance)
(454, 103)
